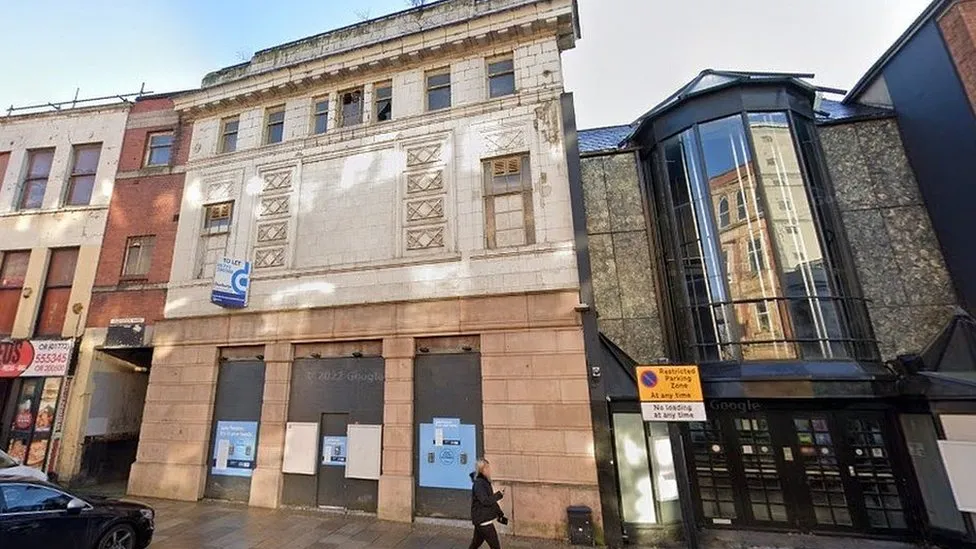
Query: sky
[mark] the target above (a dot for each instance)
(633, 53)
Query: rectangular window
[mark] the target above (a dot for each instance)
(439, 89)
(217, 217)
(13, 271)
(83, 168)
(352, 107)
(159, 148)
(138, 256)
(320, 116)
(57, 292)
(501, 76)
(763, 323)
(383, 97)
(274, 125)
(4, 159)
(757, 259)
(35, 184)
(228, 134)
(508, 202)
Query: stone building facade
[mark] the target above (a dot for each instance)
(56, 175)
(400, 189)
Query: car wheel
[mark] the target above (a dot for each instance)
(120, 536)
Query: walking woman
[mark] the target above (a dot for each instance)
(484, 507)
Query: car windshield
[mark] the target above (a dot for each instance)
(7, 461)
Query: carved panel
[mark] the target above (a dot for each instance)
(276, 205)
(423, 155)
(431, 208)
(270, 232)
(219, 190)
(277, 181)
(423, 238)
(269, 257)
(512, 140)
(423, 182)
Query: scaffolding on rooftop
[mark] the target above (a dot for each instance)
(76, 102)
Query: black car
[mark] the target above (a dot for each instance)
(35, 513)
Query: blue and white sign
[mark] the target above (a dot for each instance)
(232, 279)
(447, 454)
(235, 448)
(334, 451)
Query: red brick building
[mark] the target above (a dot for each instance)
(128, 295)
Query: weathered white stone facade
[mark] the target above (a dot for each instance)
(381, 211)
(55, 224)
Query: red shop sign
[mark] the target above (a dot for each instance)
(35, 357)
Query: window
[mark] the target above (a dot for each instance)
(352, 107)
(38, 170)
(274, 125)
(439, 89)
(13, 270)
(57, 291)
(723, 213)
(757, 261)
(740, 205)
(4, 159)
(383, 98)
(792, 229)
(501, 76)
(727, 255)
(138, 256)
(217, 217)
(761, 310)
(508, 202)
(228, 134)
(27, 498)
(159, 149)
(82, 181)
(320, 116)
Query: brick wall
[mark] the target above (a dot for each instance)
(958, 25)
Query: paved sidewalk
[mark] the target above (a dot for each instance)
(183, 525)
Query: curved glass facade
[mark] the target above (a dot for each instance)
(747, 265)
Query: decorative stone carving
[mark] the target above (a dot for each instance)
(277, 181)
(276, 205)
(507, 141)
(420, 210)
(219, 190)
(424, 182)
(269, 257)
(423, 238)
(271, 232)
(425, 154)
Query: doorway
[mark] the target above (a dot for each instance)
(234, 431)
(815, 471)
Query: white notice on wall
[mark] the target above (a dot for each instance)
(223, 451)
(673, 411)
(301, 448)
(363, 451)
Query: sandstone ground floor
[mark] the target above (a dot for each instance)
(381, 409)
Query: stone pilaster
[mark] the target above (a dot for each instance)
(396, 480)
(267, 480)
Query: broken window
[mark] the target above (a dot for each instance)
(501, 76)
(352, 107)
(83, 168)
(274, 130)
(439, 89)
(228, 134)
(383, 98)
(508, 202)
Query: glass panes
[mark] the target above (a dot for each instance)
(800, 258)
(438, 90)
(160, 148)
(320, 122)
(352, 108)
(501, 77)
(384, 101)
(275, 130)
(228, 135)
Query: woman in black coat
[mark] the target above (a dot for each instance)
(484, 507)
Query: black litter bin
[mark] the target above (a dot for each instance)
(580, 520)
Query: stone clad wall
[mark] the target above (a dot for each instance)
(624, 284)
(898, 259)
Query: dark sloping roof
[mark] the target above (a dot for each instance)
(954, 349)
(835, 112)
(602, 139)
(928, 14)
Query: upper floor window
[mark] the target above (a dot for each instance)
(57, 292)
(35, 184)
(159, 149)
(779, 295)
(352, 107)
(508, 202)
(439, 89)
(501, 76)
(320, 116)
(274, 125)
(228, 134)
(4, 159)
(217, 217)
(383, 100)
(82, 180)
(13, 272)
(138, 256)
